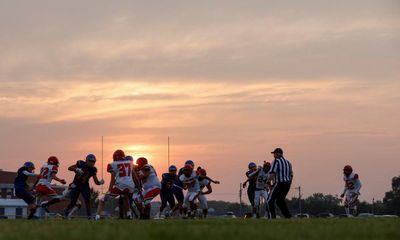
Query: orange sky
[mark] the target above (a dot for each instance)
(227, 82)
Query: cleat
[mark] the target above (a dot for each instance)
(66, 214)
(45, 207)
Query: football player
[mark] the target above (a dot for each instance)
(204, 182)
(178, 190)
(84, 170)
(167, 191)
(261, 188)
(150, 183)
(122, 185)
(47, 173)
(190, 183)
(351, 191)
(251, 180)
(21, 187)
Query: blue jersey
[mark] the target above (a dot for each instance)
(252, 181)
(20, 180)
(167, 182)
(88, 172)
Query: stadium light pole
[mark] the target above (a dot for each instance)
(299, 199)
(168, 153)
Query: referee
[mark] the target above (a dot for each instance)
(281, 174)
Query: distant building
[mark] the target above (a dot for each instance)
(10, 206)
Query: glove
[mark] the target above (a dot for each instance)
(101, 181)
(79, 171)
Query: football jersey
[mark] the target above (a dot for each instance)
(252, 181)
(262, 177)
(352, 182)
(167, 182)
(203, 183)
(45, 176)
(20, 180)
(195, 187)
(152, 180)
(88, 172)
(123, 173)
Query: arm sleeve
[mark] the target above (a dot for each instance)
(29, 174)
(274, 167)
(253, 173)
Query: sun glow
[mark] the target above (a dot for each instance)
(138, 151)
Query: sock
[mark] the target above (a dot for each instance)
(31, 213)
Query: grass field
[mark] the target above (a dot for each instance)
(202, 229)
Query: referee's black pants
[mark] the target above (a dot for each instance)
(278, 195)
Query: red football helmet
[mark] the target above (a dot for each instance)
(53, 161)
(188, 167)
(202, 172)
(118, 155)
(140, 162)
(347, 169)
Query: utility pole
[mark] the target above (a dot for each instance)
(373, 205)
(102, 161)
(240, 199)
(300, 200)
(299, 196)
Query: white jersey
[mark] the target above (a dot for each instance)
(352, 183)
(195, 187)
(45, 176)
(123, 173)
(262, 177)
(152, 181)
(203, 183)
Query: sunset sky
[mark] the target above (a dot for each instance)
(227, 80)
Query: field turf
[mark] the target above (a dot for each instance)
(202, 229)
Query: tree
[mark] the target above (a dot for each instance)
(391, 201)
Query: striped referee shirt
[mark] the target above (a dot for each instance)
(282, 170)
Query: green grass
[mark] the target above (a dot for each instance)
(202, 229)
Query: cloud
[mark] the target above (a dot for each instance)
(260, 41)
